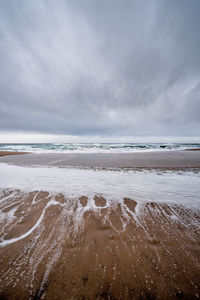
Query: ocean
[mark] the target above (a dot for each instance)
(96, 148)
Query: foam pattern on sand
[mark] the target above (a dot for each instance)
(41, 231)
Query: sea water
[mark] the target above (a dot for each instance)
(181, 188)
(96, 148)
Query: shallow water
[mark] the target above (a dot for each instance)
(182, 188)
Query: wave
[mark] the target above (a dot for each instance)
(96, 147)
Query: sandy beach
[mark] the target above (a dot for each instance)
(5, 153)
(113, 253)
(81, 246)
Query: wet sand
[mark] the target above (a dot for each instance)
(149, 160)
(5, 153)
(127, 251)
(194, 149)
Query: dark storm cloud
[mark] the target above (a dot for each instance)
(100, 67)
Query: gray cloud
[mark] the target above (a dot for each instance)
(100, 67)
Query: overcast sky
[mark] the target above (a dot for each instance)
(100, 68)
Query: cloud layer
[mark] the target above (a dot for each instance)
(100, 67)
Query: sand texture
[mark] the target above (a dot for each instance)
(55, 248)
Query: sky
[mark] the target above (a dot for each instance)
(99, 69)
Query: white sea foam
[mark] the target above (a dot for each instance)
(181, 188)
(13, 240)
